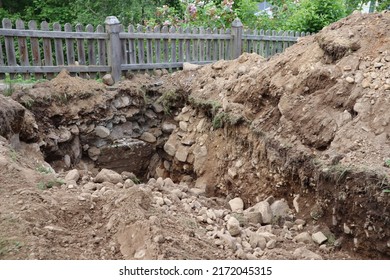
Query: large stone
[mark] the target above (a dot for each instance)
(233, 226)
(256, 240)
(93, 153)
(253, 217)
(280, 209)
(236, 204)
(319, 237)
(305, 254)
(73, 175)
(266, 213)
(181, 153)
(126, 155)
(303, 237)
(200, 156)
(168, 127)
(107, 175)
(170, 146)
(190, 67)
(108, 80)
(148, 137)
(102, 131)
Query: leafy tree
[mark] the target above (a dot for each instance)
(313, 15)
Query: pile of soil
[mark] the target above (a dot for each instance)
(285, 158)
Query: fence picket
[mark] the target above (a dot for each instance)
(22, 46)
(70, 57)
(141, 46)
(181, 43)
(172, 30)
(9, 46)
(35, 49)
(132, 48)
(208, 46)
(81, 50)
(101, 47)
(47, 50)
(229, 51)
(2, 75)
(201, 44)
(58, 46)
(215, 45)
(91, 50)
(149, 47)
(158, 45)
(221, 45)
(165, 44)
(188, 46)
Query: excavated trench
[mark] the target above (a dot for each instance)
(165, 134)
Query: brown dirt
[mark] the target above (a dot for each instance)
(312, 122)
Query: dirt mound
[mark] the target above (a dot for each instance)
(312, 121)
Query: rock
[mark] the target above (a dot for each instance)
(159, 239)
(170, 147)
(256, 240)
(102, 131)
(280, 209)
(227, 240)
(350, 80)
(182, 153)
(196, 191)
(296, 203)
(303, 237)
(157, 108)
(346, 229)
(168, 127)
(183, 126)
(108, 80)
(107, 175)
(271, 244)
(73, 175)
(236, 205)
(253, 217)
(233, 226)
(128, 184)
(159, 201)
(264, 208)
(148, 137)
(190, 66)
(131, 155)
(305, 254)
(168, 183)
(300, 222)
(232, 172)
(200, 156)
(319, 237)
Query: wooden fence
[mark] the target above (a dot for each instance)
(45, 51)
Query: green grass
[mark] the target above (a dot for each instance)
(13, 155)
(7, 246)
(43, 169)
(50, 184)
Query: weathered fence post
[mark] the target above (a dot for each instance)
(237, 28)
(114, 46)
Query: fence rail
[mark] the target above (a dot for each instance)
(44, 51)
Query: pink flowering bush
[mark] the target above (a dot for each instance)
(196, 13)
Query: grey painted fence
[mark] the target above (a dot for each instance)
(45, 51)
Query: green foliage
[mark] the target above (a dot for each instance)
(43, 169)
(49, 184)
(313, 15)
